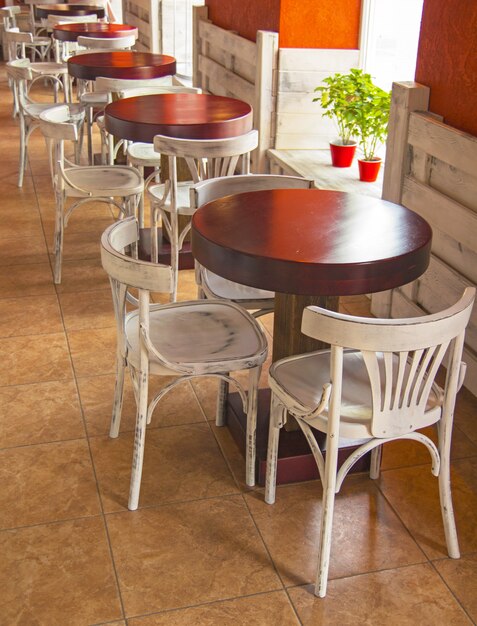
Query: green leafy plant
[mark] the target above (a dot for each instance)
(337, 101)
(371, 113)
(359, 107)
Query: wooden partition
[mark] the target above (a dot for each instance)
(144, 15)
(431, 168)
(226, 64)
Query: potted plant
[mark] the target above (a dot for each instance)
(371, 115)
(336, 98)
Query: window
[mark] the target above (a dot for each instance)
(389, 39)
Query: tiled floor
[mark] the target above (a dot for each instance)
(201, 549)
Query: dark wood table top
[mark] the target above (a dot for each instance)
(44, 10)
(182, 115)
(121, 64)
(311, 241)
(71, 31)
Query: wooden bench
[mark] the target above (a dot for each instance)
(316, 164)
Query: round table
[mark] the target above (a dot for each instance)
(310, 246)
(182, 115)
(121, 64)
(44, 10)
(71, 31)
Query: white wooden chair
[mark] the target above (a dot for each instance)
(64, 49)
(376, 384)
(38, 46)
(185, 340)
(107, 88)
(22, 75)
(55, 73)
(102, 44)
(82, 183)
(212, 285)
(206, 158)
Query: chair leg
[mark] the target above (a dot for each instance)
(118, 397)
(58, 243)
(375, 468)
(328, 504)
(445, 493)
(23, 149)
(277, 419)
(139, 442)
(140, 213)
(174, 254)
(89, 128)
(252, 400)
(220, 412)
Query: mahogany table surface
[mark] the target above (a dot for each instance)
(71, 31)
(121, 64)
(182, 115)
(43, 10)
(311, 241)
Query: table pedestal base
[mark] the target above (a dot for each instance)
(295, 461)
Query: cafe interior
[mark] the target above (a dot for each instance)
(238, 382)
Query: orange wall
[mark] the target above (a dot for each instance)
(300, 23)
(319, 23)
(447, 60)
(245, 16)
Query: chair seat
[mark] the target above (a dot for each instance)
(95, 98)
(143, 154)
(299, 382)
(47, 67)
(222, 288)
(156, 192)
(104, 180)
(198, 333)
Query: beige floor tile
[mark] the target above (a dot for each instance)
(23, 250)
(413, 492)
(94, 309)
(367, 535)
(210, 550)
(39, 413)
(180, 463)
(178, 407)
(408, 453)
(57, 574)
(266, 609)
(79, 246)
(30, 316)
(62, 485)
(34, 359)
(20, 224)
(83, 275)
(93, 351)
(403, 597)
(234, 458)
(460, 575)
(26, 280)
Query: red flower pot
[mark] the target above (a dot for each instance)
(369, 170)
(342, 155)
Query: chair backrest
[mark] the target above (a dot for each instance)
(52, 20)
(208, 158)
(151, 91)
(402, 358)
(20, 73)
(214, 188)
(16, 43)
(8, 15)
(102, 43)
(124, 268)
(117, 85)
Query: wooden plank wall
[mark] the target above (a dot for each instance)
(299, 121)
(229, 65)
(145, 16)
(431, 168)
